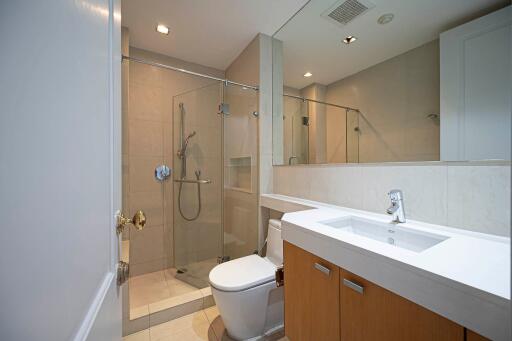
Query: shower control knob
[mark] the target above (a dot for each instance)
(162, 172)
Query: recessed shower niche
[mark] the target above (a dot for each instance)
(240, 174)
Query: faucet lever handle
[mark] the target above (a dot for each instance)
(395, 194)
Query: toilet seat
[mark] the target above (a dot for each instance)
(242, 274)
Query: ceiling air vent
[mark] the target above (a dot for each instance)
(343, 12)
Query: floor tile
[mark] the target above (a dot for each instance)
(211, 313)
(139, 312)
(177, 288)
(148, 288)
(197, 333)
(170, 274)
(143, 335)
(220, 331)
(199, 326)
(175, 301)
(170, 328)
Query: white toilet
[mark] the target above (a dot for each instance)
(245, 291)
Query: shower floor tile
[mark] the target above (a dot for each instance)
(156, 286)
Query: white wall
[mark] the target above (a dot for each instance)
(473, 196)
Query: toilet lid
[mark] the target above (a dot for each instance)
(242, 273)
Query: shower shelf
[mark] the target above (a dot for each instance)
(239, 171)
(239, 189)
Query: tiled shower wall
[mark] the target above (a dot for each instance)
(467, 195)
(147, 143)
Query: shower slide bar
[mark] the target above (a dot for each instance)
(207, 181)
(225, 81)
(320, 102)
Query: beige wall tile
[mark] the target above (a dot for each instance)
(479, 198)
(147, 245)
(146, 138)
(142, 174)
(146, 75)
(146, 102)
(147, 267)
(151, 203)
(473, 196)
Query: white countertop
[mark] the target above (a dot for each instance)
(465, 278)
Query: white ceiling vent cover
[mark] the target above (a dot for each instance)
(343, 12)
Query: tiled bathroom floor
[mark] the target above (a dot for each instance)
(199, 326)
(156, 286)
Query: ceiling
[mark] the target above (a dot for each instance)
(208, 32)
(313, 44)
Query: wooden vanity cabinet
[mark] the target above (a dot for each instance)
(370, 312)
(311, 296)
(325, 302)
(472, 336)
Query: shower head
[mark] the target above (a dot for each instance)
(192, 134)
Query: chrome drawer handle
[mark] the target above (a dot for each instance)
(322, 268)
(353, 286)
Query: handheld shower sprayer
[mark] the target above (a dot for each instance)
(184, 145)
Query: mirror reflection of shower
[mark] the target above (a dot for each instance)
(182, 155)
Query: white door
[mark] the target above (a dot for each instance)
(476, 82)
(59, 169)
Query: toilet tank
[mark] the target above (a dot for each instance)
(274, 242)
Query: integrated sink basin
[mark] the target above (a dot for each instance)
(389, 233)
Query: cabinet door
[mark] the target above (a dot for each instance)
(472, 336)
(369, 312)
(311, 296)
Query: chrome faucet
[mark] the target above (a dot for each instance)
(397, 206)
(291, 158)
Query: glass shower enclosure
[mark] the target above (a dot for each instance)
(302, 140)
(215, 178)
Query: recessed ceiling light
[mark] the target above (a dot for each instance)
(349, 39)
(385, 18)
(162, 29)
(308, 74)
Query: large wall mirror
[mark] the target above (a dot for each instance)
(361, 81)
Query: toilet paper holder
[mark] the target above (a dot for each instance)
(280, 276)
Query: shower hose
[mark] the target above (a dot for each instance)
(198, 198)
